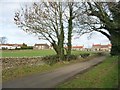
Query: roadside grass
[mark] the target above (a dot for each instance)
(105, 75)
(19, 72)
(25, 70)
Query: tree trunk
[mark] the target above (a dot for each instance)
(61, 36)
(59, 50)
(61, 45)
(55, 47)
(69, 45)
(70, 28)
(115, 41)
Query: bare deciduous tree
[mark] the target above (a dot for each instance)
(3, 40)
(45, 20)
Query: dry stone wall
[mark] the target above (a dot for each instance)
(20, 61)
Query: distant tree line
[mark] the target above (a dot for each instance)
(24, 46)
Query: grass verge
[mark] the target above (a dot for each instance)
(105, 75)
(21, 71)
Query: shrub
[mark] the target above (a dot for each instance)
(3, 48)
(27, 47)
(52, 59)
(100, 53)
(70, 57)
(17, 48)
(84, 55)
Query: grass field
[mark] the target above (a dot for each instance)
(104, 75)
(31, 53)
(26, 53)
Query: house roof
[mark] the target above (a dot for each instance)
(96, 44)
(77, 46)
(41, 45)
(109, 44)
(105, 46)
(101, 46)
(11, 44)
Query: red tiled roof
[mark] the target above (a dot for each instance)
(96, 44)
(105, 46)
(102, 46)
(109, 44)
(11, 44)
(41, 45)
(77, 47)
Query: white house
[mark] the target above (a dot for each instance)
(78, 48)
(99, 47)
(10, 46)
(41, 46)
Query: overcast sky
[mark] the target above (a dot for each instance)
(17, 35)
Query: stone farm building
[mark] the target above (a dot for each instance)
(10, 46)
(99, 47)
(41, 46)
